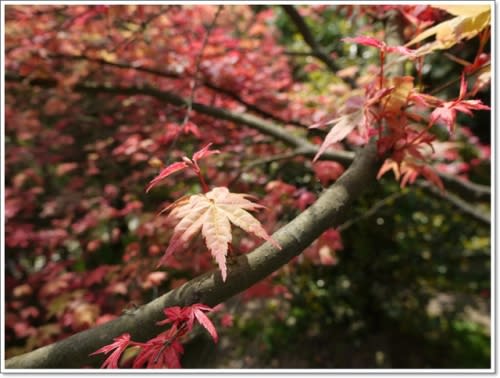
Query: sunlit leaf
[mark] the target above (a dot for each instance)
(470, 21)
(342, 127)
(466, 10)
(212, 213)
(398, 98)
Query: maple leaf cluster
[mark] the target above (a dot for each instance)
(164, 350)
(386, 111)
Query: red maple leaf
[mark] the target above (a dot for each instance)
(174, 314)
(203, 153)
(162, 351)
(120, 344)
(172, 168)
(358, 114)
(409, 171)
(447, 112)
(196, 311)
(177, 315)
(373, 42)
(178, 166)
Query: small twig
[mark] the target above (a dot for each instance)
(470, 191)
(373, 210)
(169, 342)
(299, 53)
(143, 26)
(254, 163)
(272, 159)
(316, 50)
(194, 82)
(455, 80)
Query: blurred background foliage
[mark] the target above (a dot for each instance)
(409, 289)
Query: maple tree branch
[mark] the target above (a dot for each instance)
(265, 127)
(458, 203)
(175, 75)
(303, 29)
(127, 66)
(467, 190)
(329, 210)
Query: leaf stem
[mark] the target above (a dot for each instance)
(204, 185)
(169, 341)
(382, 58)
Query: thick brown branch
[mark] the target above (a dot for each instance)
(328, 211)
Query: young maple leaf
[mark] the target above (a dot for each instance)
(120, 344)
(407, 172)
(178, 166)
(206, 323)
(162, 351)
(357, 114)
(342, 127)
(172, 168)
(373, 42)
(213, 213)
(410, 173)
(176, 315)
(447, 112)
